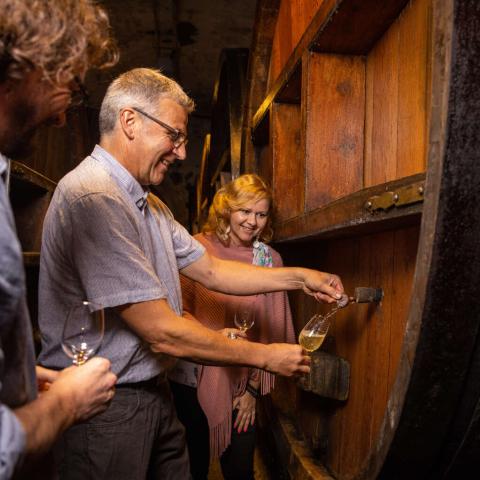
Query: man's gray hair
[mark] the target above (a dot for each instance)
(141, 88)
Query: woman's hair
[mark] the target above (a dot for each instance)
(61, 38)
(140, 88)
(234, 196)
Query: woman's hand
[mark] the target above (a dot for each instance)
(246, 411)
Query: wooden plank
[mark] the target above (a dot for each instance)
(349, 216)
(301, 13)
(334, 111)
(289, 92)
(282, 44)
(294, 16)
(382, 114)
(396, 125)
(257, 74)
(357, 25)
(30, 194)
(265, 159)
(288, 161)
(412, 88)
(220, 167)
(382, 343)
(237, 60)
(404, 257)
(22, 172)
(201, 190)
(296, 459)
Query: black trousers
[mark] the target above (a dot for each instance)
(237, 460)
(197, 433)
(138, 437)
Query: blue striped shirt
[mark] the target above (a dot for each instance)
(17, 360)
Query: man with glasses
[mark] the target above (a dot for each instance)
(108, 238)
(44, 46)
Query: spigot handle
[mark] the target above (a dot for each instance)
(368, 295)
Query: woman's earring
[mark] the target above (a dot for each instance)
(226, 235)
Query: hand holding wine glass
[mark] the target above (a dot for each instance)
(244, 318)
(83, 331)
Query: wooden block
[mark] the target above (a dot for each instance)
(329, 376)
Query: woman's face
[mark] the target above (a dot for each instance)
(247, 222)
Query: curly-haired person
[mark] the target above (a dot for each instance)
(46, 48)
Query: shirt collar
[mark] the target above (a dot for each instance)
(122, 176)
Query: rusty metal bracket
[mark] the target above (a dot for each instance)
(399, 198)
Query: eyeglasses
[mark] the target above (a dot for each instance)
(178, 138)
(79, 93)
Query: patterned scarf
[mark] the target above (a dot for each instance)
(261, 255)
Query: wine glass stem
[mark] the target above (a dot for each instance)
(80, 359)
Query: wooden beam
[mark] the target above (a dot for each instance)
(350, 215)
(21, 172)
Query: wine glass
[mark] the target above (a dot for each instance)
(244, 318)
(313, 333)
(83, 331)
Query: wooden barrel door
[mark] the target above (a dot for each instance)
(366, 121)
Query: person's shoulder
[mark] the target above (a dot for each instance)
(87, 178)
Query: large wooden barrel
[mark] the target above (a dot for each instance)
(367, 122)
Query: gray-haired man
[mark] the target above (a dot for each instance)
(110, 241)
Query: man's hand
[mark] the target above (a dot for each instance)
(246, 411)
(286, 359)
(325, 287)
(45, 377)
(232, 333)
(85, 390)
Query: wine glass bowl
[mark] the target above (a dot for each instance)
(313, 333)
(83, 331)
(244, 318)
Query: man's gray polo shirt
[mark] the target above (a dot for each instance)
(103, 243)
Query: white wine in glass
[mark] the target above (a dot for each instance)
(83, 331)
(244, 318)
(313, 333)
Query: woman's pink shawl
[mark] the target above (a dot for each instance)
(217, 386)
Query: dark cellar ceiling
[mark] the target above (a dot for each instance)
(183, 38)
